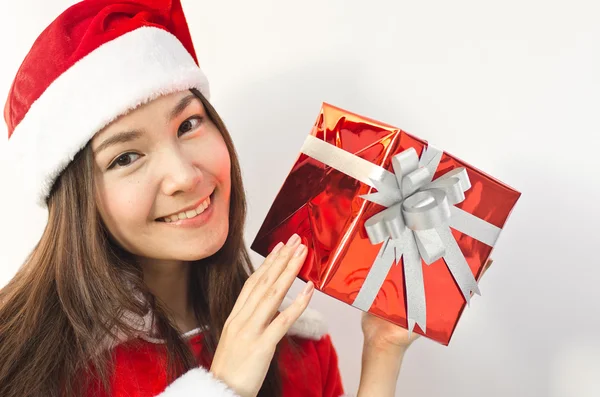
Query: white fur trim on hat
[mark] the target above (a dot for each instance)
(118, 76)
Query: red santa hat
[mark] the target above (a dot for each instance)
(94, 62)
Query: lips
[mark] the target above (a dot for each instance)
(188, 212)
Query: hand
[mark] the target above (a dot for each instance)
(381, 334)
(254, 327)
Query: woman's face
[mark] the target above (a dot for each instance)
(163, 182)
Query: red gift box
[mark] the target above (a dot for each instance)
(365, 208)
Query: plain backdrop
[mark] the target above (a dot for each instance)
(512, 87)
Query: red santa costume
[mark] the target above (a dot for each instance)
(96, 61)
(308, 369)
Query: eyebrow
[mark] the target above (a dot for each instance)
(128, 136)
(121, 137)
(181, 106)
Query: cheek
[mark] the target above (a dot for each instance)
(225, 167)
(220, 163)
(124, 208)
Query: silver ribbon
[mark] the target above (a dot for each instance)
(416, 223)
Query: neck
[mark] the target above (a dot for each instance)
(168, 281)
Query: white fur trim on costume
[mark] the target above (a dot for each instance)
(118, 76)
(310, 324)
(197, 382)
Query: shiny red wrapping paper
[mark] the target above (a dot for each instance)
(323, 206)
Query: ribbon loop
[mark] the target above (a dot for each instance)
(459, 173)
(405, 162)
(451, 188)
(385, 224)
(430, 159)
(455, 183)
(426, 209)
(415, 180)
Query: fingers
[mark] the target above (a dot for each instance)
(268, 261)
(251, 281)
(263, 281)
(272, 297)
(265, 289)
(282, 323)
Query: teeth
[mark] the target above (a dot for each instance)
(189, 214)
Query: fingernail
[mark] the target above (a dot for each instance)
(277, 247)
(293, 240)
(308, 288)
(300, 250)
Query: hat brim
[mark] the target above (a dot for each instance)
(117, 77)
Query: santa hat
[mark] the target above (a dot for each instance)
(94, 62)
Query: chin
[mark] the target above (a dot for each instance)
(204, 250)
(199, 255)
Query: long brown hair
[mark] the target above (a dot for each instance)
(72, 291)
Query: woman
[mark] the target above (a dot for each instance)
(141, 284)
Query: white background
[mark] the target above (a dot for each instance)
(513, 87)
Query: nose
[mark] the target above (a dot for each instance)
(180, 174)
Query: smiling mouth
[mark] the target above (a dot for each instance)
(203, 206)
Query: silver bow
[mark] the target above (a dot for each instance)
(416, 223)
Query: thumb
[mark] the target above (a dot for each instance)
(487, 265)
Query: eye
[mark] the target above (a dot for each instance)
(190, 124)
(123, 160)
